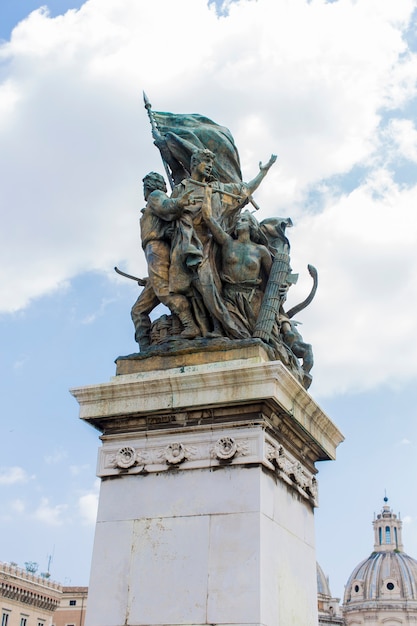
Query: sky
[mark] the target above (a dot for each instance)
(331, 88)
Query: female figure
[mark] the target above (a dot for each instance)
(243, 259)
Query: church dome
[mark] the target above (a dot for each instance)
(383, 576)
(322, 582)
(328, 607)
(386, 582)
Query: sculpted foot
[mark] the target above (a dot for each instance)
(191, 330)
(215, 334)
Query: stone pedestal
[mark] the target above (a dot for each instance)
(208, 489)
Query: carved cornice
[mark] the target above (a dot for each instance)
(130, 401)
(31, 598)
(369, 608)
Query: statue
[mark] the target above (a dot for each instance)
(243, 257)
(156, 226)
(193, 270)
(223, 276)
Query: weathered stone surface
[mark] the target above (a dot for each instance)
(207, 391)
(200, 351)
(206, 510)
(233, 546)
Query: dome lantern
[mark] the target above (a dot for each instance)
(387, 528)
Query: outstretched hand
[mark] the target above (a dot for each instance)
(265, 168)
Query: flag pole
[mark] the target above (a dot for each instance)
(155, 135)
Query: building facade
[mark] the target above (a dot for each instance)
(71, 611)
(26, 599)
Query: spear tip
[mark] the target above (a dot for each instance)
(146, 101)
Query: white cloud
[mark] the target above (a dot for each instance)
(76, 470)
(50, 515)
(91, 318)
(56, 456)
(9, 512)
(13, 475)
(19, 363)
(88, 504)
(403, 134)
(309, 80)
(362, 320)
(18, 506)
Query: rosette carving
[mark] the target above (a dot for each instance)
(125, 457)
(225, 448)
(175, 453)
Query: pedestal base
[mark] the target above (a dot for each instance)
(207, 496)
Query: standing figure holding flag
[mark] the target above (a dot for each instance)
(193, 268)
(197, 153)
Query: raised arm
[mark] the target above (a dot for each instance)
(263, 170)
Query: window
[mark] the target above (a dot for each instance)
(72, 603)
(387, 534)
(23, 621)
(380, 536)
(4, 619)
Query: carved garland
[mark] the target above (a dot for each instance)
(226, 448)
(292, 472)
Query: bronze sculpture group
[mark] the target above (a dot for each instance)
(223, 275)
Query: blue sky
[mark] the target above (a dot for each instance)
(13, 11)
(329, 87)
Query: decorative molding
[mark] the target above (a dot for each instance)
(293, 472)
(201, 448)
(226, 448)
(175, 453)
(126, 457)
(12, 591)
(157, 397)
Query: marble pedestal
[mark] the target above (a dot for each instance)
(208, 489)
